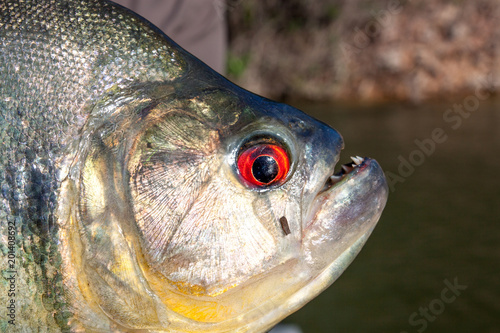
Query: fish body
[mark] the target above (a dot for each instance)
(143, 192)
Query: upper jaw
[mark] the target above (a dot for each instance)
(345, 171)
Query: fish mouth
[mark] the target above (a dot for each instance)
(345, 210)
(347, 170)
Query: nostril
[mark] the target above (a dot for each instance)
(300, 127)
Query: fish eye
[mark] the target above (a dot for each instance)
(263, 164)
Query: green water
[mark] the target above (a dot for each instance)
(441, 224)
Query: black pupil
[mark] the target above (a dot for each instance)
(265, 169)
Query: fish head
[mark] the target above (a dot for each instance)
(221, 207)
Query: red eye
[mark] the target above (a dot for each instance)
(263, 164)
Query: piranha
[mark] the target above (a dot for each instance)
(143, 192)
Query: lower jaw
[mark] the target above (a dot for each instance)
(244, 303)
(310, 287)
(258, 302)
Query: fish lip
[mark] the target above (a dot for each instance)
(366, 179)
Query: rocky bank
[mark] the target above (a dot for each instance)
(365, 50)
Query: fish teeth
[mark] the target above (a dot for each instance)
(357, 160)
(347, 168)
(335, 179)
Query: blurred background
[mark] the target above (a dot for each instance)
(413, 84)
(362, 50)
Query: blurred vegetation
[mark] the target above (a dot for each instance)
(236, 65)
(364, 50)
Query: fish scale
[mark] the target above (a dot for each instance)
(65, 54)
